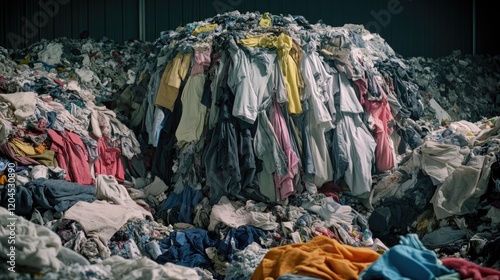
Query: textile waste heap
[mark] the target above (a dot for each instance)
(238, 142)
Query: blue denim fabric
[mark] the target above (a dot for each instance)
(59, 195)
(238, 239)
(186, 201)
(187, 248)
(24, 201)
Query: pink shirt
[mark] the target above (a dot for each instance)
(201, 59)
(381, 114)
(284, 183)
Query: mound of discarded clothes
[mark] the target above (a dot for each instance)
(249, 139)
(465, 86)
(103, 66)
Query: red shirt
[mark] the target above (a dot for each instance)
(71, 155)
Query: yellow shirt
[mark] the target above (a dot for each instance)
(283, 44)
(266, 20)
(206, 28)
(171, 80)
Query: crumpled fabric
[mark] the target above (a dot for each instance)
(234, 216)
(109, 161)
(117, 268)
(408, 260)
(470, 270)
(245, 262)
(179, 204)
(24, 200)
(205, 28)
(461, 191)
(71, 155)
(59, 195)
(322, 258)
(22, 148)
(5, 130)
(51, 54)
(101, 228)
(221, 158)
(187, 248)
(237, 239)
(36, 246)
(443, 236)
(437, 160)
(144, 234)
(353, 146)
(331, 211)
(285, 182)
(23, 104)
(155, 192)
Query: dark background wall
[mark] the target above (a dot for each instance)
(429, 28)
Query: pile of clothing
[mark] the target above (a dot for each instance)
(248, 138)
(263, 107)
(465, 86)
(103, 66)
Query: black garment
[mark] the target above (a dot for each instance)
(406, 91)
(221, 158)
(248, 168)
(392, 217)
(409, 138)
(23, 201)
(164, 155)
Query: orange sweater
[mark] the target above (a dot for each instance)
(322, 258)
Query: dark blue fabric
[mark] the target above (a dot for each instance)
(396, 214)
(59, 195)
(221, 158)
(23, 201)
(51, 119)
(238, 239)
(187, 248)
(186, 201)
(306, 156)
(164, 154)
(206, 98)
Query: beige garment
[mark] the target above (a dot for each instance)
(175, 72)
(234, 215)
(488, 134)
(461, 191)
(22, 102)
(5, 130)
(437, 160)
(107, 188)
(192, 120)
(102, 219)
(156, 187)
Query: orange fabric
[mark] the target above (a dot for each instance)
(3, 179)
(40, 149)
(322, 258)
